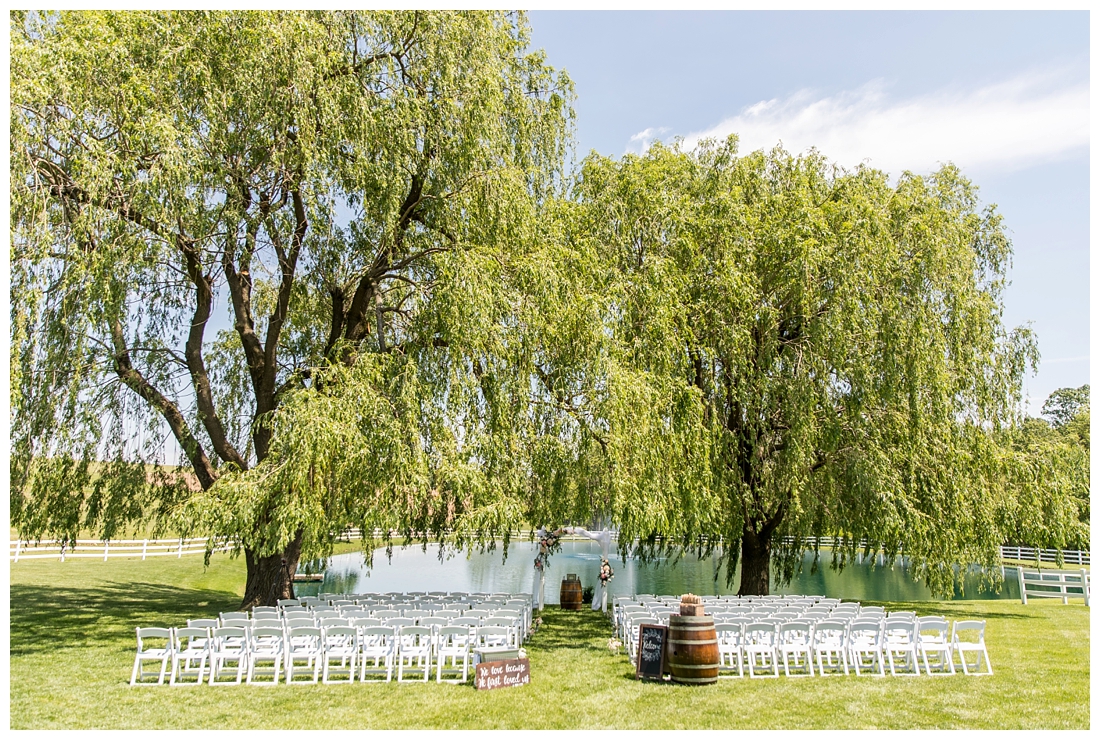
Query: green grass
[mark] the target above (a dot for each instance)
(72, 645)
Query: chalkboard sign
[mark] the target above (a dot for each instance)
(651, 651)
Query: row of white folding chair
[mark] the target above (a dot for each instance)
(267, 651)
(387, 646)
(512, 623)
(512, 620)
(428, 608)
(860, 644)
(194, 652)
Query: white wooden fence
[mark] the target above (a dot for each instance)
(1054, 584)
(1033, 555)
(28, 550)
(104, 549)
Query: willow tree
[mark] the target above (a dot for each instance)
(208, 207)
(801, 351)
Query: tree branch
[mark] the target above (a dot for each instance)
(137, 382)
(200, 379)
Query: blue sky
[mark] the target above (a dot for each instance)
(1004, 95)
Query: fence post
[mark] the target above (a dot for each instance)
(106, 544)
(1023, 588)
(1085, 585)
(62, 552)
(144, 547)
(180, 555)
(18, 546)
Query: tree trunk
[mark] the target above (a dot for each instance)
(756, 561)
(270, 578)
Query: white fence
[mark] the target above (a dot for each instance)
(1033, 555)
(1054, 584)
(27, 550)
(100, 549)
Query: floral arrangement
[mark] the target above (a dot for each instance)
(536, 624)
(613, 645)
(606, 572)
(547, 545)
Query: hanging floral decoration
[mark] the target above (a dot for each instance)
(547, 545)
(606, 571)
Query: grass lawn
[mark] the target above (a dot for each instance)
(72, 647)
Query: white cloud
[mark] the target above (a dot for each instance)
(644, 138)
(1035, 117)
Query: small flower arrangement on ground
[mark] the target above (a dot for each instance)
(613, 645)
(536, 624)
(606, 572)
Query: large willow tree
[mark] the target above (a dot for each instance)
(798, 351)
(213, 213)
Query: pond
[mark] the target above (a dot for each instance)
(414, 569)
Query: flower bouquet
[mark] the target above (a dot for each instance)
(547, 545)
(606, 571)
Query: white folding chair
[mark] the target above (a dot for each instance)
(519, 624)
(932, 639)
(228, 645)
(795, 640)
(865, 645)
(377, 644)
(299, 619)
(303, 643)
(479, 614)
(759, 649)
(340, 642)
(414, 651)
(975, 644)
(189, 645)
(899, 640)
(159, 650)
(508, 623)
(492, 637)
(829, 644)
(453, 643)
(729, 650)
(265, 647)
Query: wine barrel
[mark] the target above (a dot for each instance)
(571, 595)
(692, 649)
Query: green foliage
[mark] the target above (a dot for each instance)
(341, 184)
(1065, 403)
(429, 335)
(1051, 475)
(796, 351)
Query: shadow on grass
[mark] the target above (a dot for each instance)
(44, 617)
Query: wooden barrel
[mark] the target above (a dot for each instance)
(571, 595)
(692, 649)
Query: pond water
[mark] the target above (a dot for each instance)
(414, 569)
